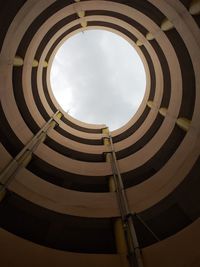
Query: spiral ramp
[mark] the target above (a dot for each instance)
(59, 202)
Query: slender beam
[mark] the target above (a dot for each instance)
(147, 227)
(120, 238)
(136, 260)
(135, 257)
(25, 155)
(121, 244)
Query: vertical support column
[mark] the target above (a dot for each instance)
(120, 238)
(25, 155)
(135, 257)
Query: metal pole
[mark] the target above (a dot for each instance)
(25, 155)
(134, 249)
(147, 227)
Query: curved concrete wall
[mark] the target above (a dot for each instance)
(158, 156)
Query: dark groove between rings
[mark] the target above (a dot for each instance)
(35, 127)
(166, 218)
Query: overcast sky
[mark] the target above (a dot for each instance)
(99, 78)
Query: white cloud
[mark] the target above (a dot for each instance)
(99, 77)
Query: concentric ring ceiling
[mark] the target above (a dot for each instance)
(157, 150)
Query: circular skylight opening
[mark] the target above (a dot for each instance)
(98, 77)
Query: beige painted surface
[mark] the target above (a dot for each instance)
(180, 250)
(171, 252)
(166, 180)
(18, 252)
(62, 200)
